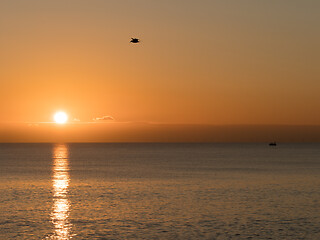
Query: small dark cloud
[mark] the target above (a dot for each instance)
(104, 118)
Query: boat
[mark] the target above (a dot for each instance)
(273, 144)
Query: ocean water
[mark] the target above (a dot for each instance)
(159, 191)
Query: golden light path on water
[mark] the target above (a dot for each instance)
(61, 204)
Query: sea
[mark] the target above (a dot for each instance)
(160, 191)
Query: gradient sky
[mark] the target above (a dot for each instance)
(199, 62)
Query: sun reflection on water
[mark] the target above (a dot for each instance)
(61, 204)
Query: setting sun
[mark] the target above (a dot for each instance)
(60, 117)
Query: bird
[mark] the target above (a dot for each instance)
(135, 40)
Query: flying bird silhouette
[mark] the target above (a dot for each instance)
(135, 40)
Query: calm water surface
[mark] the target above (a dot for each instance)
(159, 191)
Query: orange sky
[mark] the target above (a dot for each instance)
(199, 62)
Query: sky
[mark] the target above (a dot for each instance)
(204, 63)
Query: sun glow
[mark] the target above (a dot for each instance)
(60, 117)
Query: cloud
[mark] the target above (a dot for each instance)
(33, 125)
(104, 118)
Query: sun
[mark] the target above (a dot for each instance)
(60, 117)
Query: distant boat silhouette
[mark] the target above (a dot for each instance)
(273, 144)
